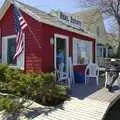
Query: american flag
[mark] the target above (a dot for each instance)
(20, 26)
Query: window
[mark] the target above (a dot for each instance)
(104, 53)
(98, 31)
(8, 51)
(11, 51)
(82, 51)
(110, 51)
(100, 50)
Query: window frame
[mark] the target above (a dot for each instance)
(12, 62)
(5, 48)
(75, 62)
(55, 46)
(20, 61)
(100, 50)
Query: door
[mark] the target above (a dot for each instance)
(61, 53)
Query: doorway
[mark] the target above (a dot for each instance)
(61, 53)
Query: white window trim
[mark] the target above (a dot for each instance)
(77, 39)
(4, 52)
(74, 40)
(67, 47)
(4, 47)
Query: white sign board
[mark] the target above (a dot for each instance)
(69, 20)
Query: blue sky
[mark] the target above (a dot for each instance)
(47, 5)
(63, 5)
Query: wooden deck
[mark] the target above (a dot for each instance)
(86, 103)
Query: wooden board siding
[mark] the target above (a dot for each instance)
(48, 33)
(39, 59)
(0, 41)
(7, 23)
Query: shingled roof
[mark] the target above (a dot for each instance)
(41, 17)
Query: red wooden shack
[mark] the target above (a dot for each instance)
(51, 34)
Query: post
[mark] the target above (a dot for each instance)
(0, 43)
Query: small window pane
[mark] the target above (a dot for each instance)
(11, 51)
(110, 52)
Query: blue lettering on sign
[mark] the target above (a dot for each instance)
(69, 20)
(64, 17)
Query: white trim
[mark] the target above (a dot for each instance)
(4, 8)
(4, 50)
(74, 51)
(55, 67)
(5, 47)
(95, 56)
(67, 48)
(10, 36)
(20, 59)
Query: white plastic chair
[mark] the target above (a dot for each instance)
(92, 70)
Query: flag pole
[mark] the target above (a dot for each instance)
(29, 28)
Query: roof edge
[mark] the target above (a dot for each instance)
(55, 25)
(5, 7)
(7, 4)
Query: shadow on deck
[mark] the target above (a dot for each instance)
(82, 91)
(91, 90)
(99, 94)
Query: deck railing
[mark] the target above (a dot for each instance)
(102, 61)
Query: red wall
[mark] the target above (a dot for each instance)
(0, 42)
(39, 59)
(6, 26)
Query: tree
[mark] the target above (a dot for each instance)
(118, 51)
(111, 8)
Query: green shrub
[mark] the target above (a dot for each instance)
(10, 105)
(40, 88)
(3, 69)
(49, 93)
(9, 81)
